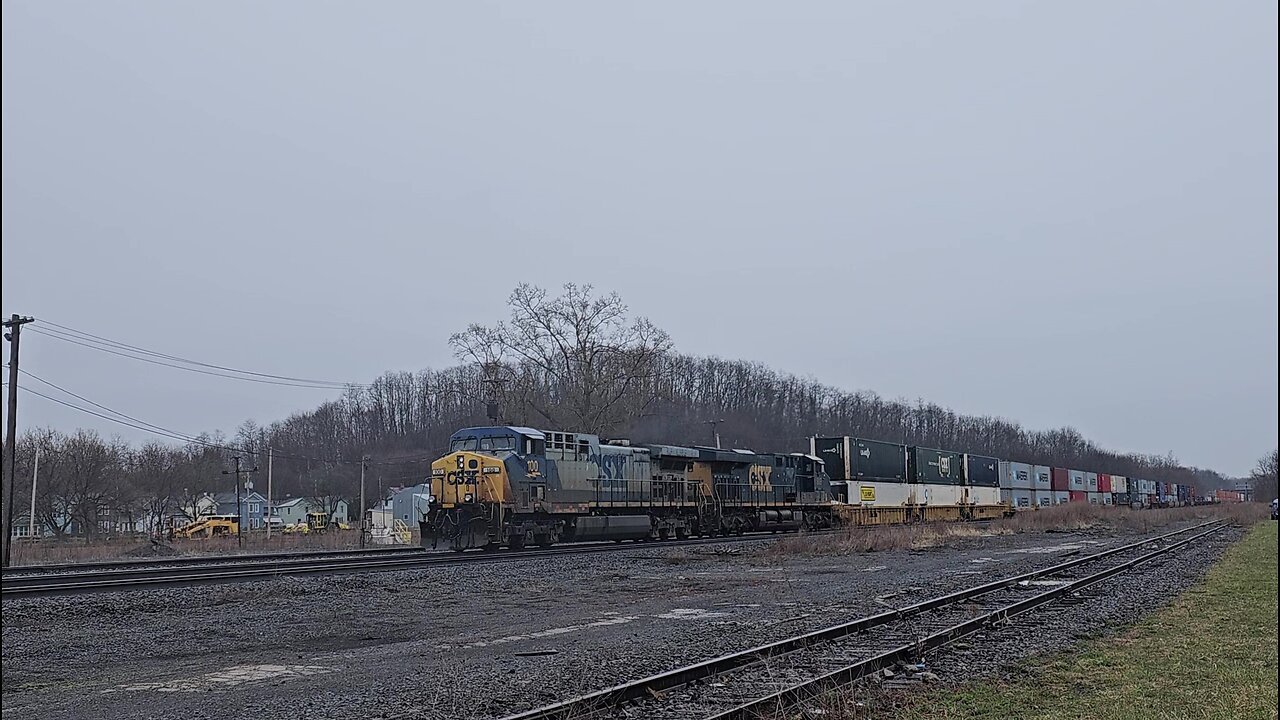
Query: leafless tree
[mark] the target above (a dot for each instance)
(1264, 478)
(575, 359)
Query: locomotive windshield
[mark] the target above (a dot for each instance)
(462, 444)
(496, 444)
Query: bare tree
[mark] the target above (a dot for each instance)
(576, 360)
(1264, 478)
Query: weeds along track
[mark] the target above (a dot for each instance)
(94, 577)
(765, 681)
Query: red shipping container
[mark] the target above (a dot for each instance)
(1104, 482)
(1059, 480)
(1079, 496)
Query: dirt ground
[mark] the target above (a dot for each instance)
(462, 641)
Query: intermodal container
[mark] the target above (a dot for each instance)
(1060, 497)
(1119, 484)
(1044, 498)
(850, 458)
(981, 471)
(1041, 474)
(1077, 479)
(1104, 483)
(1060, 480)
(1091, 482)
(1022, 499)
(928, 466)
(1017, 475)
(1079, 496)
(1121, 499)
(1095, 498)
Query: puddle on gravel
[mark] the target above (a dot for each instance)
(1053, 548)
(689, 614)
(227, 678)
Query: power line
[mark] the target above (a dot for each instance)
(126, 346)
(137, 424)
(95, 345)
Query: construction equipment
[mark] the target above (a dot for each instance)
(209, 526)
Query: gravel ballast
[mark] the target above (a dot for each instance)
(495, 638)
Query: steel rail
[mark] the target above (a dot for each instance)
(769, 705)
(20, 570)
(133, 578)
(611, 697)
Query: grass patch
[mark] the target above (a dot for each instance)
(1210, 654)
(1062, 518)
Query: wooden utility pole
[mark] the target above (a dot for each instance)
(239, 512)
(364, 462)
(14, 324)
(270, 452)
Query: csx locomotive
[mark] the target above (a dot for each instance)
(517, 486)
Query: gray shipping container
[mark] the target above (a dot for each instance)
(1095, 498)
(1041, 474)
(1017, 475)
(1060, 497)
(1022, 499)
(1091, 482)
(1044, 497)
(1076, 478)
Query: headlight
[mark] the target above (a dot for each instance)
(468, 497)
(431, 499)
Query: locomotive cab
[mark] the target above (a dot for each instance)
(486, 474)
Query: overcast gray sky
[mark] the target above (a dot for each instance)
(1061, 213)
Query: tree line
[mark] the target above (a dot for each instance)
(574, 362)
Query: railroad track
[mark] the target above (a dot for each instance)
(198, 571)
(19, 570)
(765, 681)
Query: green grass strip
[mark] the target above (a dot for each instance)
(1209, 654)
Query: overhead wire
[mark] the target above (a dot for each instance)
(102, 347)
(126, 346)
(138, 424)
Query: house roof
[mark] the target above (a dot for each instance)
(230, 498)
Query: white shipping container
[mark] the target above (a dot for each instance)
(939, 494)
(1076, 479)
(979, 495)
(1091, 482)
(1107, 498)
(1044, 498)
(880, 494)
(1119, 484)
(1041, 474)
(1095, 498)
(1060, 497)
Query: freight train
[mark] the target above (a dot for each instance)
(516, 486)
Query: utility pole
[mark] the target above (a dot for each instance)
(270, 453)
(14, 324)
(239, 511)
(35, 473)
(715, 435)
(364, 462)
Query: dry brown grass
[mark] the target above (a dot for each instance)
(1063, 518)
(80, 550)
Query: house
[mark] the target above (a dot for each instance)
(22, 528)
(294, 510)
(253, 508)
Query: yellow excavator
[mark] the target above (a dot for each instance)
(209, 526)
(317, 522)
